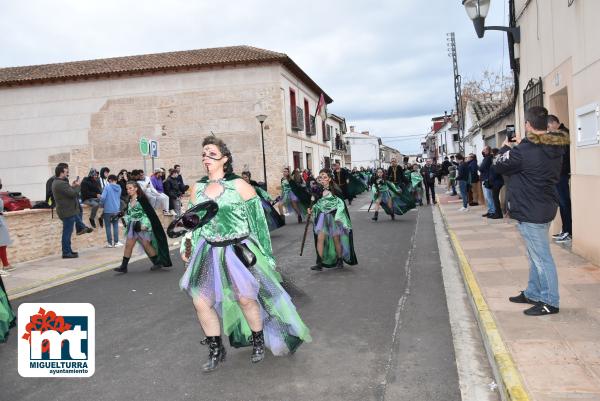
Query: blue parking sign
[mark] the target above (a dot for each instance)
(153, 148)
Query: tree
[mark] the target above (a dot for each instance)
(490, 87)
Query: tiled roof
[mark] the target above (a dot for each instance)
(494, 112)
(482, 109)
(172, 61)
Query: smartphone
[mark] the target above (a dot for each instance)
(510, 133)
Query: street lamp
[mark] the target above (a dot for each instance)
(261, 119)
(477, 11)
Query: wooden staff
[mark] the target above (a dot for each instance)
(307, 224)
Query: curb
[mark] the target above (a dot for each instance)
(66, 278)
(507, 375)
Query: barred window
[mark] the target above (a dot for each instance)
(533, 94)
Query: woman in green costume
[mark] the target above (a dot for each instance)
(293, 195)
(7, 316)
(230, 272)
(332, 226)
(386, 195)
(142, 225)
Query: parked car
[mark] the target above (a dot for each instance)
(14, 201)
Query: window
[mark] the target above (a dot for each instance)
(306, 117)
(297, 156)
(533, 95)
(326, 130)
(293, 109)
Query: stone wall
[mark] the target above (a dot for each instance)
(35, 234)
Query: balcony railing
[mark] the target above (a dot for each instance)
(298, 120)
(312, 129)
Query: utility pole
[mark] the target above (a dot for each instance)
(451, 42)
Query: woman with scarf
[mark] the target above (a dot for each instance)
(230, 272)
(387, 196)
(332, 226)
(274, 219)
(143, 226)
(293, 195)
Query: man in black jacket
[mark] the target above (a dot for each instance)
(534, 169)
(564, 194)
(484, 170)
(429, 172)
(395, 173)
(173, 191)
(341, 177)
(90, 195)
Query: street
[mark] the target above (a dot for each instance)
(380, 329)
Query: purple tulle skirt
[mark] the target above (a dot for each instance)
(140, 235)
(326, 223)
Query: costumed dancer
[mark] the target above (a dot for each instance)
(142, 225)
(341, 177)
(293, 196)
(355, 185)
(387, 196)
(416, 183)
(231, 274)
(274, 219)
(332, 227)
(7, 316)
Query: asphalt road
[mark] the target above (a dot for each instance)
(380, 329)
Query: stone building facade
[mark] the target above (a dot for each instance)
(93, 113)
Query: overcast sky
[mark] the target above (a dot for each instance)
(384, 63)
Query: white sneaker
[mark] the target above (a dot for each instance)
(109, 245)
(119, 244)
(463, 209)
(4, 273)
(560, 234)
(563, 237)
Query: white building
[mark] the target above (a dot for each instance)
(364, 149)
(442, 140)
(335, 133)
(93, 114)
(477, 113)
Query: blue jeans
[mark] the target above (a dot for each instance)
(543, 280)
(489, 199)
(464, 192)
(67, 232)
(108, 225)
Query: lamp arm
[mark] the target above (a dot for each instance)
(514, 31)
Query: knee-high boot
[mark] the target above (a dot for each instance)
(123, 267)
(376, 216)
(258, 346)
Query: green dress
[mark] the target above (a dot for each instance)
(292, 192)
(153, 230)
(401, 199)
(217, 274)
(7, 316)
(331, 217)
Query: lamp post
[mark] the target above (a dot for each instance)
(477, 11)
(261, 119)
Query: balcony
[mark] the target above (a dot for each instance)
(298, 120)
(312, 129)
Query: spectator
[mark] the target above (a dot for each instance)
(122, 179)
(497, 183)
(111, 203)
(484, 169)
(156, 199)
(564, 195)
(534, 167)
(452, 179)
(157, 181)
(463, 176)
(90, 195)
(67, 207)
(445, 166)
(430, 172)
(104, 172)
(173, 191)
(182, 187)
(4, 240)
(474, 185)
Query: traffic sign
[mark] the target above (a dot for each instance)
(144, 146)
(153, 148)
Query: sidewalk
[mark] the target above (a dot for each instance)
(557, 356)
(37, 275)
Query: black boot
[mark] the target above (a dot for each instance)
(340, 263)
(258, 346)
(318, 266)
(376, 216)
(393, 216)
(155, 263)
(216, 353)
(123, 267)
(299, 219)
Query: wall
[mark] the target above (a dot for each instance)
(364, 150)
(99, 122)
(559, 44)
(35, 234)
